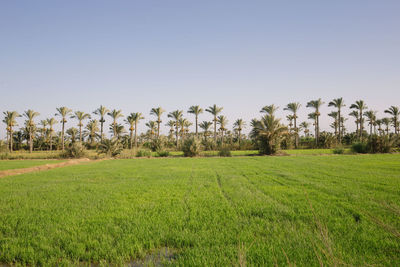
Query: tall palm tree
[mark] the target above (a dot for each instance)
(339, 104)
(44, 124)
(196, 110)
(152, 128)
(270, 110)
(335, 124)
(182, 122)
(63, 112)
(386, 121)
(131, 120)
(355, 115)
(157, 112)
(186, 125)
(205, 126)
(80, 116)
(294, 108)
(394, 111)
(360, 106)
(115, 114)
(30, 125)
(171, 125)
(92, 128)
(239, 125)
(371, 117)
(316, 104)
(379, 123)
(51, 122)
(137, 116)
(101, 111)
(222, 122)
(10, 121)
(72, 132)
(304, 126)
(176, 115)
(214, 110)
(313, 116)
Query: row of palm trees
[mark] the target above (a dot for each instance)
(179, 125)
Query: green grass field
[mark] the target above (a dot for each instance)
(18, 164)
(303, 210)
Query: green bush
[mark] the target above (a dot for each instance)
(162, 153)
(224, 152)
(338, 150)
(191, 147)
(359, 147)
(380, 144)
(74, 150)
(110, 147)
(143, 153)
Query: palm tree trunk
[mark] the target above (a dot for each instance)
(51, 141)
(135, 135)
(215, 128)
(62, 135)
(131, 139)
(101, 130)
(176, 133)
(296, 137)
(30, 142)
(158, 129)
(11, 139)
(239, 138)
(340, 132)
(80, 133)
(361, 125)
(196, 128)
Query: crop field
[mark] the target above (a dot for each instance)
(18, 164)
(302, 210)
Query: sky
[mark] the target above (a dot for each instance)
(241, 55)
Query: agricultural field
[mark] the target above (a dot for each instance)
(19, 164)
(302, 210)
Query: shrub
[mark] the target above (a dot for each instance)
(143, 153)
(359, 147)
(380, 144)
(74, 150)
(224, 152)
(191, 147)
(110, 147)
(162, 153)
(338, 150)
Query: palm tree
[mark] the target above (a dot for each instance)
(152, 128)
(304, 125)
(30, 125)
(355, 114)
(386, 121)
(270, 110)
(63, 112)
(294, 108)
(119, 130)
(334, 115)
(176, 115)
(131, 120)
(214, 110)
(360, 106)
(80, 116)
(379, 123)
(371, 116)
(339, 104)
(157, 112)
(313, 117)
(182, 123)
(222, 122)
(186, 125)
(137, 116)
(43, 123)
(394, 111)
(10, 121)
(115, 114)
(101, 111)
(196, 110)
(72, 132)
(51, 122)
(171, 125)
(205, 126)
(239, 125)
(92, 128)
(316, 104)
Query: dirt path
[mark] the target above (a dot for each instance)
(43, 167)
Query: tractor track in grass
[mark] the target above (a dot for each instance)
(50, 166)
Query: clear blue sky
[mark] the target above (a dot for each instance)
(242, 55)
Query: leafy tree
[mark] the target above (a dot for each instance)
(214, 110)
(110, 147)
(270, 110)
(157, 112)
(63, 112)
(80, 116)
(304, 126)
(92, 128)
(205, 126)
(294, 108)
(30, 125)
(72, 132)
(152, 128)
(196, 110)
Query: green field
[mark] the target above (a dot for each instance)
(18, 164)
(303, 210)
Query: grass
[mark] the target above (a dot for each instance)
(304, 210)
(18, 164)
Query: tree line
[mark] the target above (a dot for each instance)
(267, 132)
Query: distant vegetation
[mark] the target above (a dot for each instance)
(268, 134)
